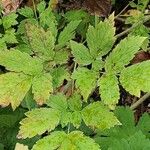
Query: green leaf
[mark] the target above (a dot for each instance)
(136, 78)
(58, 75)
(123, 53)
(41, 42)
(73, 15)
(65, 118)
(109, 89)
(75, 103)
(58, 101)
(38, 121)
(52, 141)
(76, 119)
(61, 56)
(97, 65)
(41, 6)
(85, 81)
(97, 115)
(3, 45)
(26, 12)
(136, 142)
(10, 36)
(9, 20)
(48, 20)
(42, 87)
(101, 38)
(81, 53)
(17, 61)
(128, 128)
(68, 33)
(13, 88)
(62, 141)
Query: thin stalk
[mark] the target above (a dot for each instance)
(140, 101)
(34, 9)
(147, 18)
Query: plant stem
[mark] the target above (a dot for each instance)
(34, 8)
(147, 18)
(140, 101)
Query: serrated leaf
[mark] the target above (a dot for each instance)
(136, 78)
(123, 53)
(13, 88)
(9, 20)
(74, 102)
(38, 121)
(58, 101)
(97, 115)
(101, 38)
(10, 36)
(109, 90)
(26, 12)
(81, 53)
(85, 81)
(48, 20)
(41, 6)
(76, 119)
(72, 141)
(136, 142)
(73, 15)
(42, 88)
(17, 61)
(58, 75)
(61, 56)
(52, 141)
(98, 65)
(41, 42)
(65, 118)
(68, 33)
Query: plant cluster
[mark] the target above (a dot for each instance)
(53, 74)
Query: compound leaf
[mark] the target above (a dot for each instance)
(42, 87)
(101, 38)
(41, 42)
(38, 121)
(123, 53)
(97, 115)
(85, 81)
(81, 53)
(13, 88)
(72, 141)
(14, 60)
(136, 78)
(68, 33)
(109, 89)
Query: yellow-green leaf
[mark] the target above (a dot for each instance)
(85, 81)
(14, 60)
(136, 78)
(13, 88)
(75, 140)
(123, 53)
(109, 89)
(101, 38)
(97, 115)
(81, 53)
(42, 42)
(38, 121)
(42, 87)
